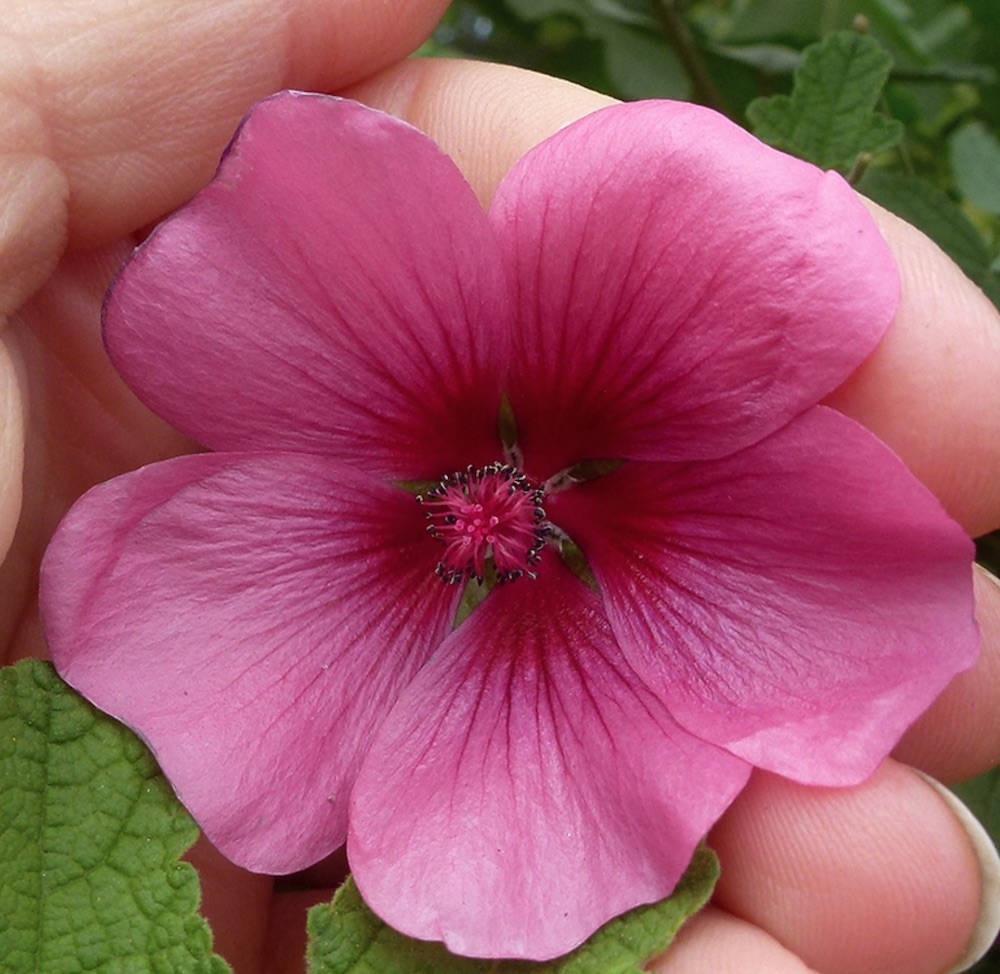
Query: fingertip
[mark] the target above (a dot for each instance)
(988, 923)
(11, 449)
(287, 940)
(958, 737)
(236, 904)
(485, 116)
(334, 44)
(879, 877)
(928, 389)
(715, 941)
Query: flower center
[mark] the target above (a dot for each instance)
(490, 513)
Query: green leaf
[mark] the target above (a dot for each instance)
(541, 9)
(975, 163)
(345, 937)
(770, 59)
(757, 20)
(637, 13)
(893, 21)
(641, 64)
(929, 209)
(830, 117)
(946, 27)
(90, 836)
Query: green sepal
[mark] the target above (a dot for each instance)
(830, 119)
(90, 835)
(345, 937)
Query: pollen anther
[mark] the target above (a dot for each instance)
(483, 514)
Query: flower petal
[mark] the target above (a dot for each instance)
(798, 603)
(528, 787)
(682, 289)
(253, 618)
(336, 288)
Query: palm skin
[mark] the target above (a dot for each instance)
(112, 115)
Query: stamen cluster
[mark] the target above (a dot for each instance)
(487, 513)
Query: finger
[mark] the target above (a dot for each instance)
(285, 948)
(11, 449)
(85, 426)
(32, 206)
(485, 116)
(716, 941)
(959, 736)
(886, 862)
(236, 904)
(133, 102)
(927, 389)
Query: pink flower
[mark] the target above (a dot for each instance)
(337, 320)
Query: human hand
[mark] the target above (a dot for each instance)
(885, 862)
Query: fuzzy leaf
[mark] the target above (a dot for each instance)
(345, 937)
(975, 161)
(90, 835)
(830, 118)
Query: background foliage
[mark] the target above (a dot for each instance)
(901, 96)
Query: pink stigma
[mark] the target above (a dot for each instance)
(488, 513)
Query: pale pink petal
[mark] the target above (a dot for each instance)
(798, 603)
(336, 288)
(682, 289)
(253, 618)
(528, 787)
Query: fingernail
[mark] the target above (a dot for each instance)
(988, 925)
(986, 573)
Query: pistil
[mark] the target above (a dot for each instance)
(484, 514)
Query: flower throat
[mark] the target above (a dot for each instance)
(485, 514)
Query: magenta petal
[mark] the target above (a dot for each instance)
(528, 787)
(253, 618)
(799, 603)
(682, 289)
(336, 288)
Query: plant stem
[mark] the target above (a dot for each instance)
(859, 167)
(677, 32)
